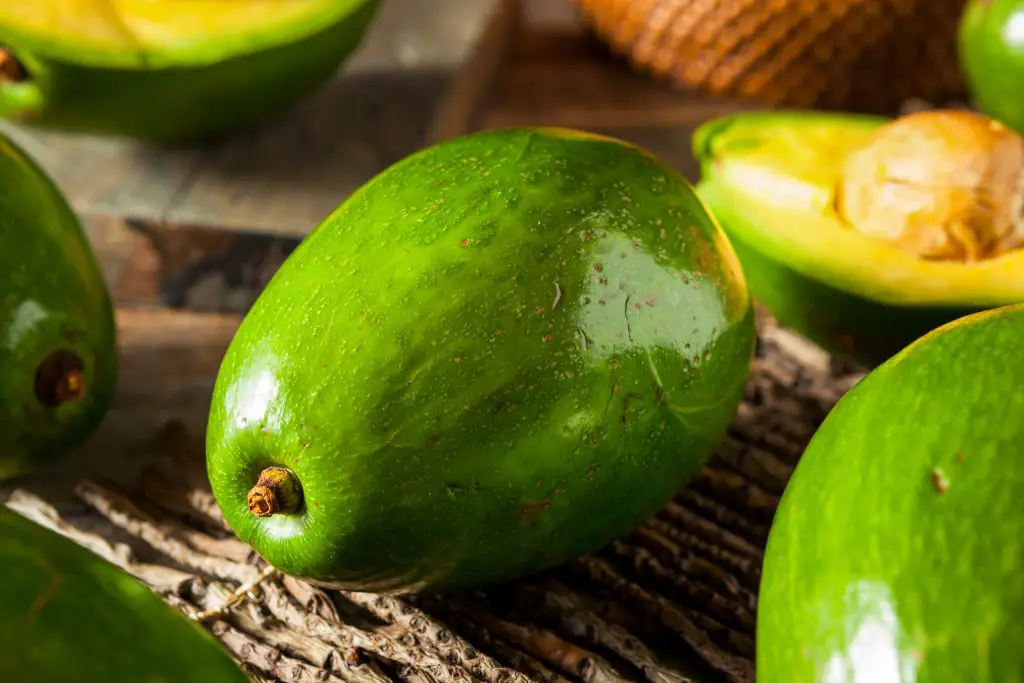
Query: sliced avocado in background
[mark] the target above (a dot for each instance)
(897, 552)
(172, 69)
(771, 178)
(990, 45)
(58, 352)
(500, 353)
(70, 616)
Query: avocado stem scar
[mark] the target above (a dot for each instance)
(10, 69)
(276, 491)
(59, 379)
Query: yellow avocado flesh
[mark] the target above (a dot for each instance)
(161, 33)
(772, 178)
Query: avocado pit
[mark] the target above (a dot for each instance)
(277, 491)
(59, 379)
(939, 184)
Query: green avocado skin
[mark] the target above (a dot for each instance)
(71, 616)
(896, 553)
(52, 298)
(863, 330)
(189, 103)
(991, 52)
(499, 354)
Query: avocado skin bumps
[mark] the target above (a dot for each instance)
(502, 352)
(58, 352)
(71, 616)
(896, 553)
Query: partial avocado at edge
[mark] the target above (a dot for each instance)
(58, 338)
(158, 75)
(71, 616)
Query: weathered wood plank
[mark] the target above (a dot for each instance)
(284, 177)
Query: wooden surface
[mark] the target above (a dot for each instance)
(286, 176)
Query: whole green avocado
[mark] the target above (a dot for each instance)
(500, 353)
(897, 551)
(169, 70)
(58, 352)
(990, 47)
(71, 616)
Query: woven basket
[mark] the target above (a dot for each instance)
(857, 55)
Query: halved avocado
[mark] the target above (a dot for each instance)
(915, 256)
(169, 69)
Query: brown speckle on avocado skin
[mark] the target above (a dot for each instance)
(939, 480)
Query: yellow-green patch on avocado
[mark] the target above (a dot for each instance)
(162, 33)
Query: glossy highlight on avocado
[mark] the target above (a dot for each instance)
(866, 273)
(71, 616)
(896, 553)
(500, 353)
(58, 353)
(990, 48)
(169, 70)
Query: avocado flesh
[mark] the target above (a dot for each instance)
(769, 178)
(990, 48)
(71, 616)
(56, 316)
(178, 86)
(896, 553)
(499, 354)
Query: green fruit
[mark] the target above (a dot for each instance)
(500, 353)
(58, 353)
(170, 70)
(71, 616)
(896, 553)
(991, 51)
(845, 270)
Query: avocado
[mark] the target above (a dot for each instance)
(863, 233)
(170, 71)
(500, 353)
(58, 351)
(896, 552)
(71, 616)
(990, 47)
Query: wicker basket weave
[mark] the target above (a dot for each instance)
(858, 55)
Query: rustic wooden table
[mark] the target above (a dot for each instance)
(187, 237)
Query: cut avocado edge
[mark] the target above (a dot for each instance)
(770, 179)
(109, 34)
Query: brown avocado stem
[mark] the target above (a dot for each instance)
(277, 491)
(59, 379)
(10, 69)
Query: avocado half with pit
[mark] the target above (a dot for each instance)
(863, 233)
(170, 69)
(897, 552)
(500, 353)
